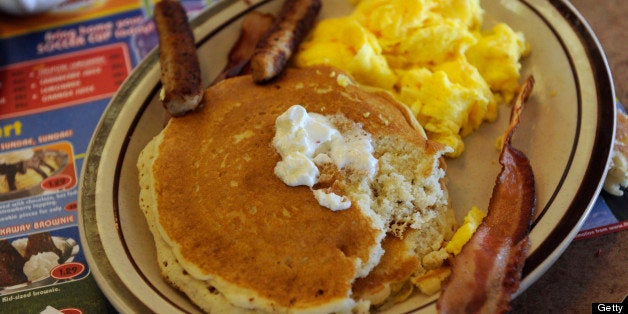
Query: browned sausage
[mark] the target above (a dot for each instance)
(182, 89)
(273, 51)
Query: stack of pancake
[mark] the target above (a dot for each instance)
(235, 238)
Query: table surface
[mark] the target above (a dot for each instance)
(590, 270)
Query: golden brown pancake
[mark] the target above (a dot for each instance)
(409, 256)
(230, 233)
(395, 267)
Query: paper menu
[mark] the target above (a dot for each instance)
(58, 71)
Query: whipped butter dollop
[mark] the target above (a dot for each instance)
(306, 141)
(40, 265)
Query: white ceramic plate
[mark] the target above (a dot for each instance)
(567, 132)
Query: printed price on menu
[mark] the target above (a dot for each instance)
(66, 271)
(63, 81)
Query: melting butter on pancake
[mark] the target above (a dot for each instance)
(232, 236)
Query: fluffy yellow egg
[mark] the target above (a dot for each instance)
(496, 55)
(471, 222)
(346, 44)
(430, 54)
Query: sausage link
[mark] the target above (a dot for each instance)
(182, 88)
(273, 51)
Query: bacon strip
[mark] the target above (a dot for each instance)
(273, 51)
(254, 26)
(182, 89)
(488, 269)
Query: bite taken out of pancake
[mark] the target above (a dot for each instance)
(234, 237)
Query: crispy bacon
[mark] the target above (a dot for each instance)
(182, 89)
(488, 269)
(254, 26)
(273, 51)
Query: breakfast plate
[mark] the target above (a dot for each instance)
(567, 132)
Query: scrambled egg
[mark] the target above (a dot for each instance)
(431, 55)
(471, 222)
(431, 282)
